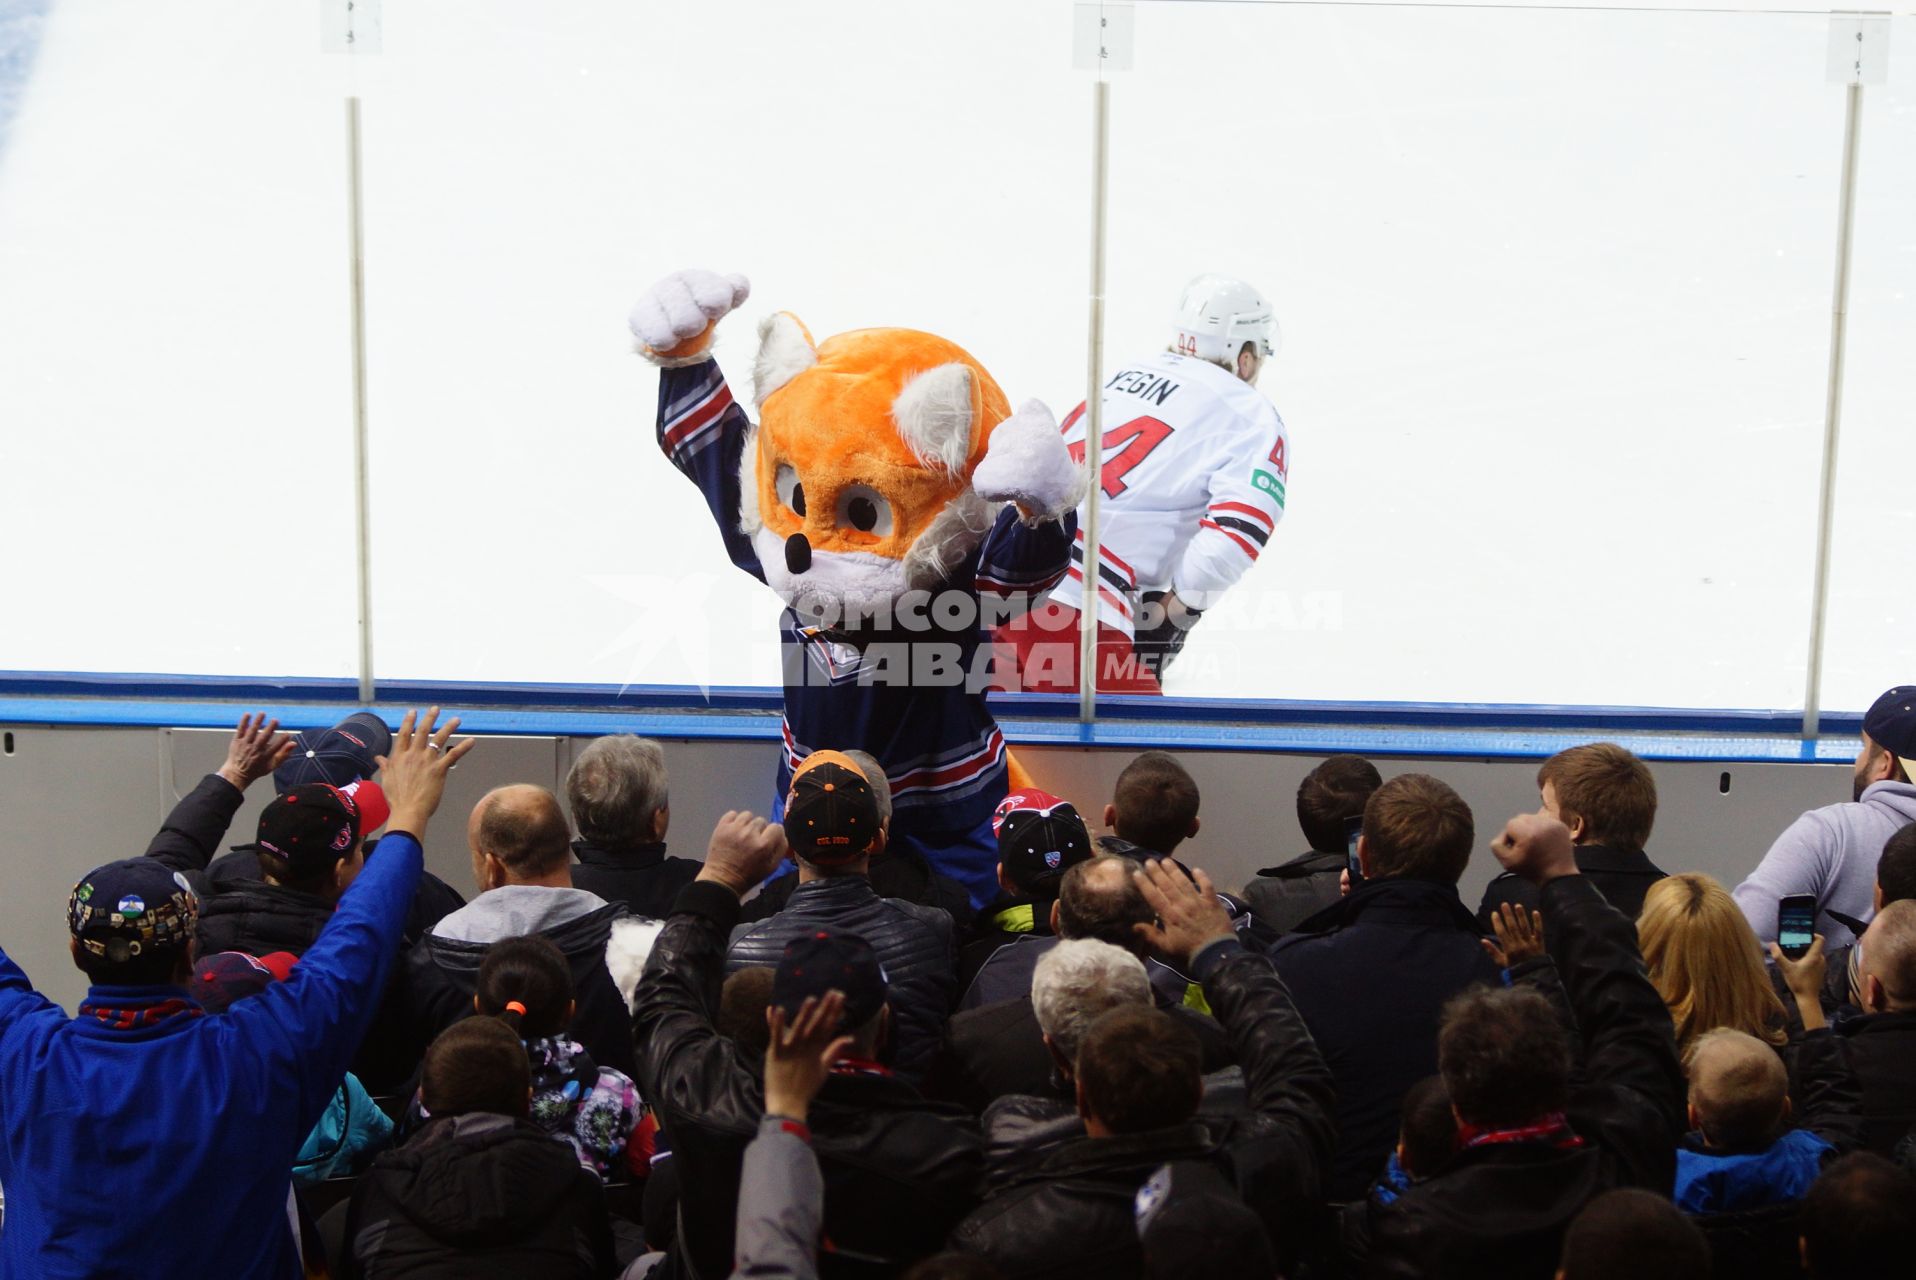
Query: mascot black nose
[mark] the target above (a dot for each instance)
(798, 553)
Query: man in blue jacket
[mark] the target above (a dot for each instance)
(143, 1138)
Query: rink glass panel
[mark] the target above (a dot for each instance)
(1555, 292)
(1554, 289)
(175, 395)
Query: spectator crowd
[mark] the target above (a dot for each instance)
(807, 1053)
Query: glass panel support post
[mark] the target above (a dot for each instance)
(1858, 56)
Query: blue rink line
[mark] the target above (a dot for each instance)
(1432, 730)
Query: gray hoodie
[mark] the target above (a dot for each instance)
(1830, 853)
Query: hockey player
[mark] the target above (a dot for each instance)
(1192, 488)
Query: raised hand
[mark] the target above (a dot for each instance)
(414, 771)
(800, 1056)
(674, 316)
(1026, 462)
(257, 748)
(1804, 977)
(1536, 848)
(1189, 913)
(1519, 936)
(744, 850)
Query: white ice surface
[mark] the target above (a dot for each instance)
(1555, 289)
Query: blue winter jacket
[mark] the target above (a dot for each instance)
(1714, 1182)
(165, 1150)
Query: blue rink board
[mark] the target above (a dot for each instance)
(1454, 730)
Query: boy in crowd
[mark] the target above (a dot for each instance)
(1040, 838)
(1153, 809)
(1748, 1146)
(481, 1191)
(1608, 799)
(1330, 798)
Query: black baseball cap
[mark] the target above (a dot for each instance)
(1040, 837)
(825, 960)
(1890, 723)
(339, 756)
(132, 907)
(311, 827)
(831, 814)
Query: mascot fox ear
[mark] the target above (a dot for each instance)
(785, 350)
(934, 416)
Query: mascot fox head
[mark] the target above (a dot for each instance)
(855, 486)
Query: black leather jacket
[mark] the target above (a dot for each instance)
(913, 942)
(1071, 1215)
(899, 1171)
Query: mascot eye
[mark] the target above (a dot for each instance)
(790, 491)
(863, 508)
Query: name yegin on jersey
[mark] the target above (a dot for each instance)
(1191, 484)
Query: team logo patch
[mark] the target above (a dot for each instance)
(1270, 484)
(131, 907)
(343, 839)
(1052, 858)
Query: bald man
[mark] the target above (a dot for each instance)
(1882, 1043)
(521, 865)
(1749, 1147)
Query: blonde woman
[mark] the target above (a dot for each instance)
(1706, 962)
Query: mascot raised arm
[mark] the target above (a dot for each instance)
(899, 509)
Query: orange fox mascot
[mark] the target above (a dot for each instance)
(899, 509)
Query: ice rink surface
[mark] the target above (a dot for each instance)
(1555, 288)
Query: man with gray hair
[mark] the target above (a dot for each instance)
(616, 790)
(1074, 983)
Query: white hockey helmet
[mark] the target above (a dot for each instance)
(1217, 316)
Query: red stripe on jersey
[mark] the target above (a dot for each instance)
(1249, 550)
(1106, 553)
(700, 415)
(932, 778)
(1245, 509)
(1070, 418)
(1116, 601)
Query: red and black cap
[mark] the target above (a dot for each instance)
(1040, 837)
(313, 826)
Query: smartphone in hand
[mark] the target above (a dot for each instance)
(1796, 924)
(1353, 827)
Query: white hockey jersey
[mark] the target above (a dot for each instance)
(1195, 464)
